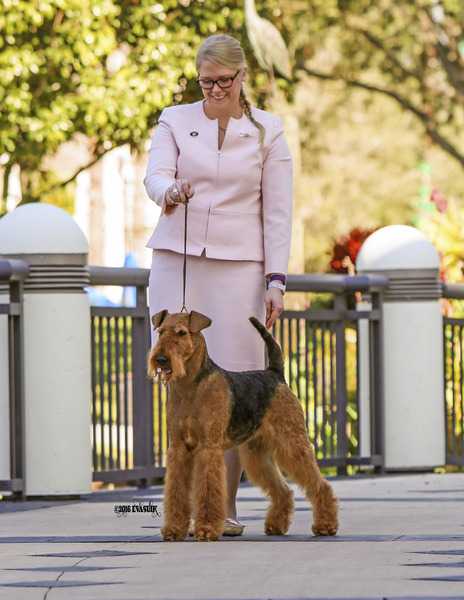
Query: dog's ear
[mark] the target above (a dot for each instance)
(159, 318)
(197, 321)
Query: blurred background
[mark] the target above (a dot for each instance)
(371, 93)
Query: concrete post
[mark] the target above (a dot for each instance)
(57, 361)
(4, 391)
(414, 422)
(364, 392)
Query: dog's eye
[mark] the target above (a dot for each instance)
(182, 332)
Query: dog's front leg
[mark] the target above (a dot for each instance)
(209, 492)
(177, 505)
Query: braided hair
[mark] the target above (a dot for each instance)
(245, 103)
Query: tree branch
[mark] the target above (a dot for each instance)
(435, 135)
(453, 68)
(95, 159)
(377, 43)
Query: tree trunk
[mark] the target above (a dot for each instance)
(5, 188)
(29, 185)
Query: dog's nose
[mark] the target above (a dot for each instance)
(162, 360)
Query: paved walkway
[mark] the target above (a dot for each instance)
(400, 537)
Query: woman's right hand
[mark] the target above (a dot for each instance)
(179, 193)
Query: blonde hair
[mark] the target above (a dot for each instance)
(225, 50)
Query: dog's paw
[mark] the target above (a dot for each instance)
(274, 530)
(278, 521)
(325, 511)
(206, 533)
(277, 526)
(325, 528)
(170, 534)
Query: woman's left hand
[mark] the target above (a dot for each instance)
(274, 301)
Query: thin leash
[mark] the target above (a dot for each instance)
(184, 274)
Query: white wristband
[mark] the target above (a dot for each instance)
(277, 284)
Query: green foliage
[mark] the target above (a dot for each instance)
(412, 51)
(385, 83)
(101, 68)
(358, 171)
(445, 231)
(105, 69)
(453, 372)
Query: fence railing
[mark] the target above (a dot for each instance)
(322, 354)
(328, 352)
(12, 275)
(453, 355)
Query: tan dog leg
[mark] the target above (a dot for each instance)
(209, 492)
(177, 506)
(262, 471)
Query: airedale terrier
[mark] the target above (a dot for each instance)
(210, 410)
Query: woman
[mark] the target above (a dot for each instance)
(231, 163)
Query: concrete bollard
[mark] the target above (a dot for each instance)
(57, 360)
(414, 424)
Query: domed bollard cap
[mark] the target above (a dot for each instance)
(397, 247)
(39, 228)
(51, 242)
(407, 258)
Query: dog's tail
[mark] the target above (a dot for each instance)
(276, 362)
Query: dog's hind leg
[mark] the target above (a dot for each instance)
(286, 433)
(295, 456)
(177, 506)
(209, 493)
(260, 468)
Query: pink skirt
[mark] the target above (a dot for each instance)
(226, 291)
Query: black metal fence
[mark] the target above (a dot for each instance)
(453, 355)
(329, 347)
(322, 359)
(12, 274)
(322, 350)
(128, 421)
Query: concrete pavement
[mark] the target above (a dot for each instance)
(400, 537)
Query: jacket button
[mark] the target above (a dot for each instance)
(194, 133)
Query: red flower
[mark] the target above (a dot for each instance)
(439, 200)
(348, 246)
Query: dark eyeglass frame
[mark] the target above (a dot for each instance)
(218, 81)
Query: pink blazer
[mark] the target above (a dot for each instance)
(242, 203)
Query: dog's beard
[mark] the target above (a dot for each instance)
(177, 368)
(152, 366)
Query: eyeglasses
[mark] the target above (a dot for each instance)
(223, 82)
